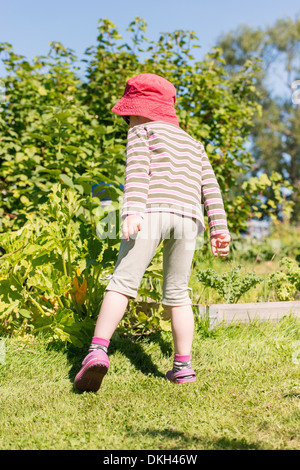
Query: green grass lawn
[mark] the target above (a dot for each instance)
(246, 395)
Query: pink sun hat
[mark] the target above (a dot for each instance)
(150, 96)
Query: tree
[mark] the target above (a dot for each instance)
(275, 136)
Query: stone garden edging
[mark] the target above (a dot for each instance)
(243, 313)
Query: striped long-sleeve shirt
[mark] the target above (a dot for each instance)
(168, 170)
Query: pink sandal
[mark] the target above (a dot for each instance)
(182, 376)
(94, 367)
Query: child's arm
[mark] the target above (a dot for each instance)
(220, 244)
(131, 225)
(136, 173)
(213, 202)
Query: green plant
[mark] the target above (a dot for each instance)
(286, 281)
(229, 285)
(143, 320)
(51, 274)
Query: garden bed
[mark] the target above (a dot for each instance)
(229, 313)
(245, 312)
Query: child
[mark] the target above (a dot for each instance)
(167, 171)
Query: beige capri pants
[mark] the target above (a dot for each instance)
(179, 234)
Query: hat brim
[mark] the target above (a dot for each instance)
(142, 107)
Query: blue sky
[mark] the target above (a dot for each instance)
(29, 25)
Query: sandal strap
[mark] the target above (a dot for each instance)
(184, 373)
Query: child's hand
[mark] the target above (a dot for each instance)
(220, 244)
(132, 224)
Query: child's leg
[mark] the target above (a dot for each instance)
(182, 320)
(177, 260)
(134, 257)
(111, 313)
(95, 365)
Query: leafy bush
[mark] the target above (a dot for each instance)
(52, 272)
(283, 241)
(286, 281)
(144, 319)
(230, 285)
